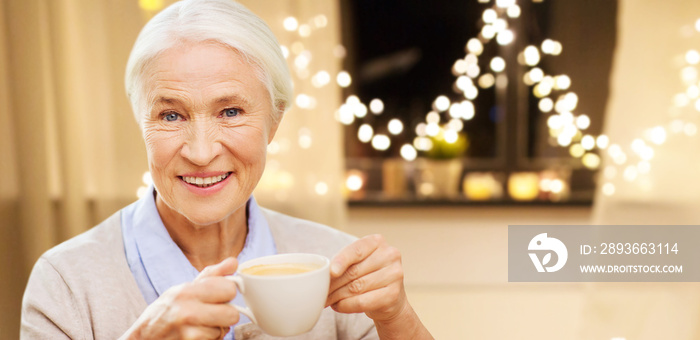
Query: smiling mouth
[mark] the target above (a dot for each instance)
(203, 182)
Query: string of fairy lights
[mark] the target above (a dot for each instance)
(474, 73)
(633, 162)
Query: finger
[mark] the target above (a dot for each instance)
(373, 262)
(215, 289)
(372, 281)
(209, 315)
(354, 253)
(225, 267)
(200, 332)
(370, 301)
(381, 257)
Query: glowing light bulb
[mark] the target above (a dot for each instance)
(546, 105)
(442, 103)
(381, 142)
(500, 25)
(467, 109)
(591, 161)
(657, 135)
(557, 48)
(320, 21)
(450, 136)
(395, 126)
(498, 64)
(692, 57)
(488, 32)
(432, 129)
(354, 182)
(556, 186)
(304, 141)
(576, 150)
(304, 30)
(532, 55)
(423, 143)
(489, 16)
(505, 37)
(365, 133)
(455, 124)
(471, 92)
(321, 188)
(602, 141)
(420, 129)
(432, 117)
(536, 74)
(345, 114)
(464, 82)
(360, 110)
(475, 46)
(376, 105)
(562, 82)
(344, 79)
(473, 70)
(290, 24)
(548, 46)
(608, 189)
(302, 60)
(460, 67)
(588, 142)
(583, 122)
(408, 152)
(555, 122)
(504, 3)
(320, 79)
(513, 11)
(487, 80)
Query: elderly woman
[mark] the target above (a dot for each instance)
(208, 86)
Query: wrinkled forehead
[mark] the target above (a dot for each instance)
(198, 66)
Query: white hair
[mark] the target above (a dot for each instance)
(221, 21)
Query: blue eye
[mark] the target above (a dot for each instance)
(171, 117)
(231, 112)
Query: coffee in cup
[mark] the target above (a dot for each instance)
(280, 269)
(285, 293)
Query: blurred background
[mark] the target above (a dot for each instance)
(435, 123)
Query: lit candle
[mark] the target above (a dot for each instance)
(523, 186)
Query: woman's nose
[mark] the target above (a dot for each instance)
(202, 144)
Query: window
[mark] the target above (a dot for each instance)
(493, 104)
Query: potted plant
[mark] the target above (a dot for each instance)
(440, 169)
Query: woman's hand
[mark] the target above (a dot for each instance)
(193, 310)
(367, 277)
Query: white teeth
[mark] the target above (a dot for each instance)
(204, 182)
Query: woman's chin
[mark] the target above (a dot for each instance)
(201, 218)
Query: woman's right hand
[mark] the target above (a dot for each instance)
(195, 310)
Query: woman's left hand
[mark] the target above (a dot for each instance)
(367, 277)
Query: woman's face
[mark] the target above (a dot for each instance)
(208, 120)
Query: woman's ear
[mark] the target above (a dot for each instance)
(276, 119)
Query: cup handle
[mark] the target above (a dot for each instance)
(241, 289)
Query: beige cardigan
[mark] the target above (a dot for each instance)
(83, 288)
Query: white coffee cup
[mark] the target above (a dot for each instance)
(284, 305)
